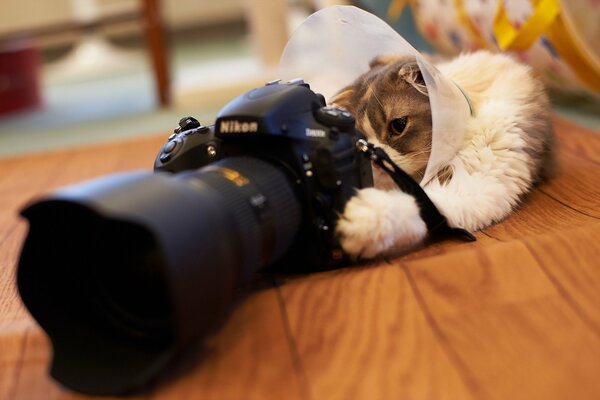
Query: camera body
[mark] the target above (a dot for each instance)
(291, 127)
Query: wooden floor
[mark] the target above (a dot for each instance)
(515, 315)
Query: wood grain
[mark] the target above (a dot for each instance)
(514, 315)
(250, 358)
(508, 324)
(577, 174)
(537, 215)
(571, 139)
(373, 341)
(577, 279)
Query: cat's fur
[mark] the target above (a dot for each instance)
(508, 147)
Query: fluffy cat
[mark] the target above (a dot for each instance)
(507, 148)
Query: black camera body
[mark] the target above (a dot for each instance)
(125, 271)
(291, 127)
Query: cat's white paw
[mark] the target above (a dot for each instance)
(376, 223)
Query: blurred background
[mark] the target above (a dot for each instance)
(85, 71)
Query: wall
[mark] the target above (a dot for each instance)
(17, 15)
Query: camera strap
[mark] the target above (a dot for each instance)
(437, 224)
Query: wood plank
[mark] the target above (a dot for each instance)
(14, 316)
(137, 152)
(570, 260)
(249, 358)
(576, 140)
(439, 247)
(360, 334)
(11, 360)
(577, 185)
(538, 214)
(508, 323)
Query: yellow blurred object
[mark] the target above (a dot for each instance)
(508, 37)
(548, 19)
(549, 34)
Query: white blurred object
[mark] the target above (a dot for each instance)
(268, 23)
(85, 10)
(93, 56)
(334, 46)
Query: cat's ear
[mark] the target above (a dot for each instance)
(384, 59)
(411, 73)
(343, 98)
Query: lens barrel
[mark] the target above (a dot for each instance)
(124, 271)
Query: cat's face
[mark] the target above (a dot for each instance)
(392, 109)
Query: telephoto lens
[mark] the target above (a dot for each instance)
(124, 271)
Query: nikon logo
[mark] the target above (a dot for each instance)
(235, 126)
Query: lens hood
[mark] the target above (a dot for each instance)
(110, 270)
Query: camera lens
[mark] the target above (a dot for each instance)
(264, 211)
(124, 271)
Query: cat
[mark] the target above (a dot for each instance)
(508, 147)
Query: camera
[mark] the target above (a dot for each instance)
(125, 271)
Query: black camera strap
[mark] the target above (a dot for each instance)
(437, 224)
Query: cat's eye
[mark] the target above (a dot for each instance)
(397, 126)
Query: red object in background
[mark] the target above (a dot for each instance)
(19, 78)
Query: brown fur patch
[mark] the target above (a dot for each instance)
(445, 174)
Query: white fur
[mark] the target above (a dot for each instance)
(377, 222)
(491, 171)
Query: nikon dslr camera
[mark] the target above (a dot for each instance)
(125, 271)
(288, 155)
